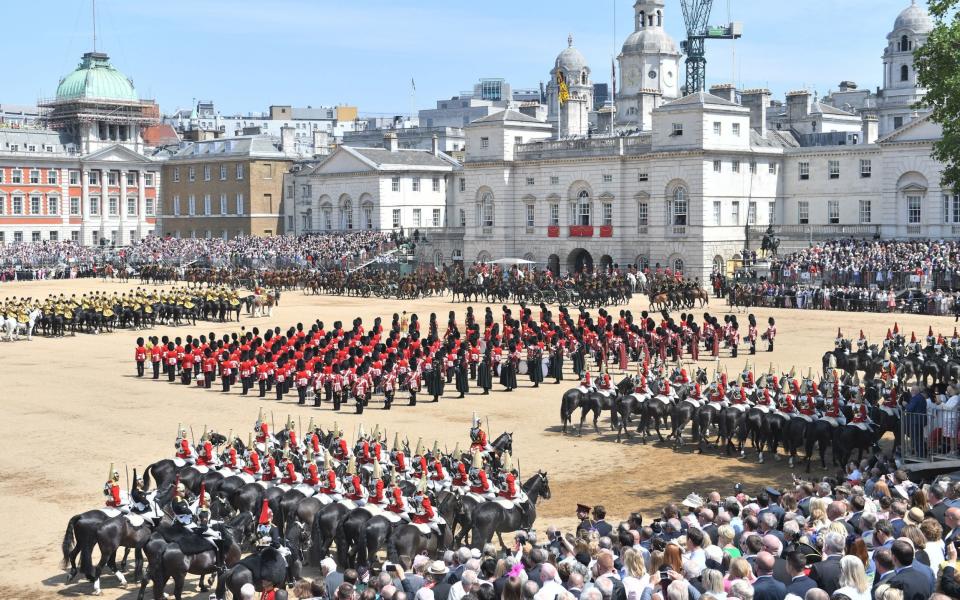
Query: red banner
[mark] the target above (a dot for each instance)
(581, 231)
(606, 231)
(553, 231)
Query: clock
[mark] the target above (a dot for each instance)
(652, 74)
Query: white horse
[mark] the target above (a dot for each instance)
(12, 326)
(638, 281)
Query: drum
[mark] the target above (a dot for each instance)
(188, 304)
(148, 309)
(107, 313)
(234, 302)
(524, 367)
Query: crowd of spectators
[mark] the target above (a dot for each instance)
(874, 535)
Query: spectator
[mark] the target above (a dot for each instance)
(853, 580)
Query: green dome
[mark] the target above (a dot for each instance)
(96, 78)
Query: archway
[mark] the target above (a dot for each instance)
(606, 261)
(553, 265)
(579, 260)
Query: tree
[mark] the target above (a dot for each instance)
(938, 70)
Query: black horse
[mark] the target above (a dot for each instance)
(492, 518)
(266, 565)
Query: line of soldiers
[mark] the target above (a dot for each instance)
(345, 363)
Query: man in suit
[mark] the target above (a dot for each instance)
(951, 520)
(915, 584)
(766, 587)
(772, 545)
(799, 584)
(826, 573)
(602, 527)
(898, 509)
(884, 569)
(705, 517)
(857, 504)
(936, 494)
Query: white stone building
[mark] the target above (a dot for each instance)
(370, 188)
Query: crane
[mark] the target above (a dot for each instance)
(696, 13)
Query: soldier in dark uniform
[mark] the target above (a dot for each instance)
(485, 371)
(461, 372)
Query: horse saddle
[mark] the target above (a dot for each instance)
(477, 497)
(202, 469)
(807, 418)
(179, 462)
(189, 541)
(110, 512)
(283, 486)
(693, 402)
(640, 397)
(716, 405)
(373, 509)
(740, 407)
(391, 516)
(305, 489)
(350, 504)
(584, 390)
(264, 484)
(423, 528)
(831, 420)
(666, 400)
(505, 503)
(862, 426)
(762, 408)
(135, 519)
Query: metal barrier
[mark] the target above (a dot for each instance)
(930, 436)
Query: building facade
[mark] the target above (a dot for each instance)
(82, 171)
(226, 187)
(384, 189)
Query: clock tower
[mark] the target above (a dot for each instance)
(649, 68)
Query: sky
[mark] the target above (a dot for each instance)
(248, 54)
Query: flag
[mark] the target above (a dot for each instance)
(563, 93)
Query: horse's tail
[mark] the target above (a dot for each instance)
(68, 540)
(146, 477)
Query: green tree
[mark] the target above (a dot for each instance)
(938, 70)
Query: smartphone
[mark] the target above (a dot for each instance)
(392, 568)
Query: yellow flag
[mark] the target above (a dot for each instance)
(564, 92)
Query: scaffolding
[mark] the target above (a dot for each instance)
(65, 113)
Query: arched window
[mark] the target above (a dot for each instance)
(904, 73)
(486, 210)
(678, 208)
(904, 44)
(643, 19)
(583, 77)
(346, 215)
(678, 265)
(583, 208)
(659, 19)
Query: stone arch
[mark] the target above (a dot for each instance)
(553, 265)
(326, 212)
(486, 208)
(676, 263)
(642, 261)
(529, 256)
(606, 262)
(345, 204)
(719, 264)
(579, 260)
(573, 192)
(367, 213)
(483, 256)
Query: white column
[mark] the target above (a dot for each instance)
(64, 174)
(104, 201)
(122, 208)
(84, 203)
(141, 203)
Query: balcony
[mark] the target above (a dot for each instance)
(679, 230)
(606, 231)
(581, 231)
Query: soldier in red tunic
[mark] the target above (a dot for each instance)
(140, 355)
(478, 437)
(111, 489)
(206, 456)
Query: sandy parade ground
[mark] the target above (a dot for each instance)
(72, 406)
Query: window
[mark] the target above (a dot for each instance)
(643, 176)
(74, 177)
(148, 206)
(679, 206)
(18, 236)
(678, 129)
(607, 214)
(833, 212)
(239, 203)
(206, 205)
(804, 170)
(54, 236)
(554, 180)
(16, 176)
(34, 175)
(897, 122)
(346, 215)
(112, 178)
(753, 167)
(396, 218)
(131, 206)
(148, 179)
(1, 175)
(51, 177)
(34, 205)
(735, 166)
(530, 211)
(904, 73)
(239, 171)
(94, 206)
(176, 206)
(191, 174)
(484, 143)
(416, 217)
(554, 214)
(17, 202)
(395, 184)
(416, 184)
(735, 212)
(772, 168)
(176, 174)
(717, 128)
(75, 206)
(517, 140)
(583, 208)
(751, 213)
(268, 171)
(531, 181)
(436, 217)
(736, 129)
(223, 204)
(643, 214)
(131, 179)
(486, 208)
(463, 218)
(191, 205)
(35, 236)
(436, 184)
(53, 206)
(223, 172)
(3, 204)
(834, 168)
(75, 236)
(866, 168)
(951, 208)
(608, 178)
(913, 210)
(865, 212)
(463, 184)
(114, 204)
(717, 216)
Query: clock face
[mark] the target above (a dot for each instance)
(652, 74)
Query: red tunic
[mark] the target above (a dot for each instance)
(427, 512)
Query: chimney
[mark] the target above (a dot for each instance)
(727, 91)
(390, 141)
(287, 139)
(870, 128)
(435, 145)
(846, 85)
(321, 142)
(758, 101)
(798, 105)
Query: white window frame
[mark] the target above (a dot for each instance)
(395, 184)
(866, 168)
(530, 211)
(803, 212)
(833, 168)
(395, 215)
(866, 212)
(717, 213)
(833, 212)
(643, 214)
(914, 209)
(717, 128)
(717, 166)
(803, 171)
(735, 129)
(238, 202)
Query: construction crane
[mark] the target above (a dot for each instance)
(696, 13)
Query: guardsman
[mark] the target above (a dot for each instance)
(261, 429)
(509, 489)
(330, 485)
(184, 451)
(267, 532)
(140, 355)
(353, 485)
(398, 504)
(206, 456)
(270, 470)
(312, 477)
(478, 437)
(752, 333)
(771, 333)
(375, 485)
(111, 489)
(478, 478)
(423, 513)
(181, 509)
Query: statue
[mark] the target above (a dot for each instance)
(770, 242)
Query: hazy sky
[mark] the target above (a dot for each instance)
(247, 54)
